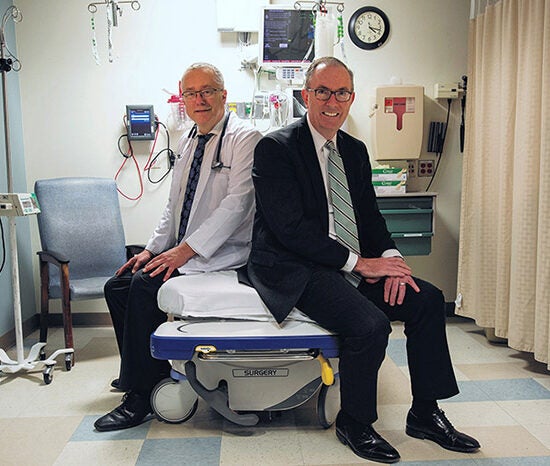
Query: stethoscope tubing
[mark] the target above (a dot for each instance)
(217, 163)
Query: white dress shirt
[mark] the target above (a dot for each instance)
(322, 154)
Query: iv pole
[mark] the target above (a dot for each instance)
(7, 365)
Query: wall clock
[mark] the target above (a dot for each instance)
(369, 27)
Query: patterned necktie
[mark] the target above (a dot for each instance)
(192, 182)
(344, 218)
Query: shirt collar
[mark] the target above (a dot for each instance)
(318, 139)
(216, 129)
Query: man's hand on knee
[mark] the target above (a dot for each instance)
(136, 262)
(169, 261)
(395, 289)
(380, 267)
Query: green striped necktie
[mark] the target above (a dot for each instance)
(344, 217)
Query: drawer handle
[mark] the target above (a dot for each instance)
(405, 211)
(412, 235)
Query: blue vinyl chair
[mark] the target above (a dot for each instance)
(82, 241)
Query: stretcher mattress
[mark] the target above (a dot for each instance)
(215, 294)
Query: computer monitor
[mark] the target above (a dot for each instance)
(286, 37)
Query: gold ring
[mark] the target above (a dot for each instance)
(402, 284)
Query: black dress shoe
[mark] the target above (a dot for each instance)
(364, 440)
(437, 428)
(116, 384)
(134, 410)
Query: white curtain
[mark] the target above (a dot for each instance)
(504, 257)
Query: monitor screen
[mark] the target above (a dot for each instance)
(140, 119)
(286, 36)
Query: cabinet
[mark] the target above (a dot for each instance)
(410, 219)
(239, 15)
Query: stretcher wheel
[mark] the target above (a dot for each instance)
(48, 375)
(68, 361)
(328, 403)
(174, 401)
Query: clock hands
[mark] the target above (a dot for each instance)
(369, 28)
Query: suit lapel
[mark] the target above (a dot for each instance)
(313, 170)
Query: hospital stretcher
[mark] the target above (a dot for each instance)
(225, 347)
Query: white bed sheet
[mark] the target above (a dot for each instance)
(215, 294)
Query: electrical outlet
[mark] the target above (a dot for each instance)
(425, 167)
(411, 172)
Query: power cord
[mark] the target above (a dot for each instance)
(3, 246)
(169, 153)
(441, 144)
(129, 154)
(151, 161)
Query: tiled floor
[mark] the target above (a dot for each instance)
(504, 402)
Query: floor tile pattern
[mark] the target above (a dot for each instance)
(504, 401)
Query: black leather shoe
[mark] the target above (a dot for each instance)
(134, 410)
(437, 428)
(364, 440)
(116, 384)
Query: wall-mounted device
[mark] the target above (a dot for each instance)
(141, 122)
(238, 15)
(436, 136)
(286, 37)
(446, 90)
(298, 105)
(18, 204)
(290, 73)
(398, 122)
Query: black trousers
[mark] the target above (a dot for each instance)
(132, 302)
(362, 320)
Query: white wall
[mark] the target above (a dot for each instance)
(72, 108)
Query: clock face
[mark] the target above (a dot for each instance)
(369, 28)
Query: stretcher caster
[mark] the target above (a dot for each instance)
(69, 361)
(328, 403)
(174, 401)
(48, 374)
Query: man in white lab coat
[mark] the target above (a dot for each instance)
(206, 226)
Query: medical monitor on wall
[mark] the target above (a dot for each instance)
(286, 37)
(140, 120)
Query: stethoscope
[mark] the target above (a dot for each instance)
(217, 163)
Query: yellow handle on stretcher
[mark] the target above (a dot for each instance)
(327, 374)
(205, 349)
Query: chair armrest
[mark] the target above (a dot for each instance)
(133, 249)
(53, 257)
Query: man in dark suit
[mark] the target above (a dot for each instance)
(299, 259)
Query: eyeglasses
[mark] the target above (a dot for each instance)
(324, 94)
(205, 93)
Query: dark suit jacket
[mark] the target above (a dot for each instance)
(290, 236)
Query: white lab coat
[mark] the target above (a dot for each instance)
(220, 223)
